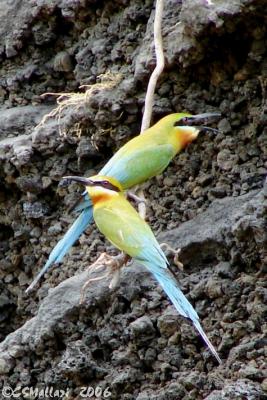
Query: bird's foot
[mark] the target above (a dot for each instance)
(113, 266)
(135, 198)
(174, 252)
(100, 262)
(116, 264)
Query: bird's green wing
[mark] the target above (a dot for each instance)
(134, 167)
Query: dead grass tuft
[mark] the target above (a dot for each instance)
(77, 100)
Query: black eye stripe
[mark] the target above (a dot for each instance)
(108, 185)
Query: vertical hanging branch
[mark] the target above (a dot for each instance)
(158, 69)
(152, 84)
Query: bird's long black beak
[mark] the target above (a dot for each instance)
(200, 120)
(66, 180)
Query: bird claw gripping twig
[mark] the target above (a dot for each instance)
(176, 253)
(134, 197)
(113, 266)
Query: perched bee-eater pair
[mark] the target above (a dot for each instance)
(143, 157)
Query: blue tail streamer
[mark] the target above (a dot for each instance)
(63, 246)
(182, 305)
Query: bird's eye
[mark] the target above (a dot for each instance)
(185, 121)
(181, 122)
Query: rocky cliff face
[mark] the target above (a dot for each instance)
(210, 202)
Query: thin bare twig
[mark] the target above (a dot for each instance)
(152, 85)
(176, 253)
(158, 69)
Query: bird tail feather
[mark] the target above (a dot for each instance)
(81, 204)
(206, 340)
(62, 247)
(182, 305)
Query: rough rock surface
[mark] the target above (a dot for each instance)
(210, 202)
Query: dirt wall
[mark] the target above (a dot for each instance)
(210, 202)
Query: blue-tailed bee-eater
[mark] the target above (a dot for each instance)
(121, 224)
(140, 159)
